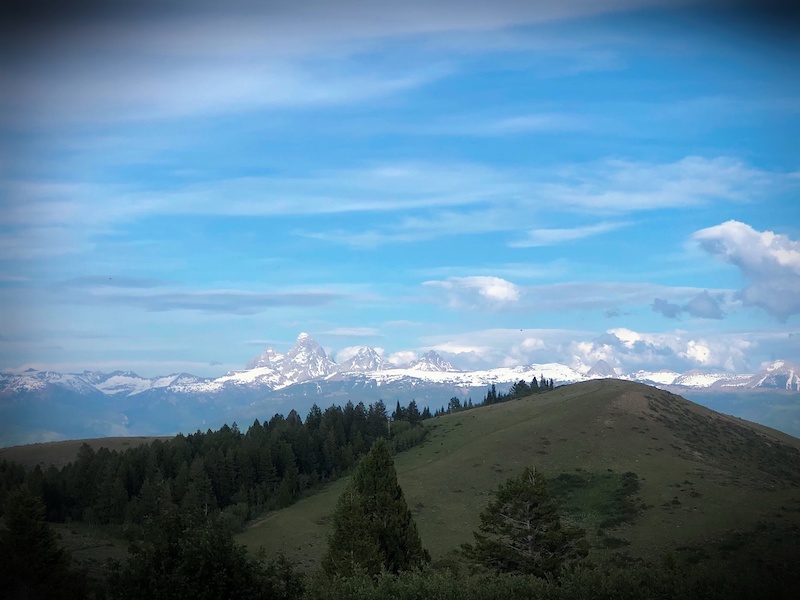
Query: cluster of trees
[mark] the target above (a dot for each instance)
(520, 389)
(522, 550)
(239, 473)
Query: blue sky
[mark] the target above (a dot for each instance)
(505, 182)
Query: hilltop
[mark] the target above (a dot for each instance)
(700, 474)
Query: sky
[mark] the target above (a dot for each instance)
(503, 182)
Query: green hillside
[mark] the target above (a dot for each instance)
(700, 474)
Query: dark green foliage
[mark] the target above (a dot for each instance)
(240, 474)
(180, 556)
(609, 495)
(32, 565)
(521, 531)
(373, 528)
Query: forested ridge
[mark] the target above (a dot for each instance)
(240, 474)
(178, 503)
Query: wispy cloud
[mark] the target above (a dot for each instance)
(208, 301)
(550, 237)
(472, 293)
(144, 61)
(353, 332)
(482, 126)
(109, 281)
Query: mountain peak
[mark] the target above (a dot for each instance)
(781, 374)
(366, 359)
(601, 369)
(268, 358)
(431, 361)
(306, 360)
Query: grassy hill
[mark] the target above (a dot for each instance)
(699, 474)
(59, 454)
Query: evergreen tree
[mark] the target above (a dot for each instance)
(31, 562)
(373, 528)
(521, 530)
(184, 556)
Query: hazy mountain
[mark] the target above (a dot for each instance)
(431, 361)
(601, 369)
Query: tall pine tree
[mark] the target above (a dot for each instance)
(373, 528)
(521, 530)
(32, 565)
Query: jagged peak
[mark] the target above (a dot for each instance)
(432, 361)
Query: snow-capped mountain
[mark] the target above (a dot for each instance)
(779, 375)
(268, 358)
(431, 361)
(306, 360)
(69, 403)
(365, 360)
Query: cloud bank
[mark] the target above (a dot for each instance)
(770, 261)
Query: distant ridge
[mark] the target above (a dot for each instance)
(47, 405)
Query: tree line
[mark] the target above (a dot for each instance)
(239, 474)
(520, 389)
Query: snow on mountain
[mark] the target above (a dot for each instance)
(484, 378)
(32, 380)
(306, 360)
(365, 360)
(258, 376)
(268, 358)
(431, 361)
(122, 382)
(778, 375)
(700, 379)
(663, 377)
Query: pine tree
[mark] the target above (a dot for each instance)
(31, 562)
(521, 530)
(373, 528)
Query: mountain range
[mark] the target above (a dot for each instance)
(46, 405)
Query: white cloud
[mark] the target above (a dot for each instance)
(622, 186)
(479, 289)
(550, 237)
(151, 63)
(349, 352)
(353, 332)
(402, 357)
(769, 260)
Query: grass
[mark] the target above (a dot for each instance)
(689, 487)
(59, 454)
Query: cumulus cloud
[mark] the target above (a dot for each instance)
(478, 290)
(679, 350)
(402, 357)
(703, 306)
(770, 261)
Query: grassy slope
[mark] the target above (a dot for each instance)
(61, 453)
(702, 473)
